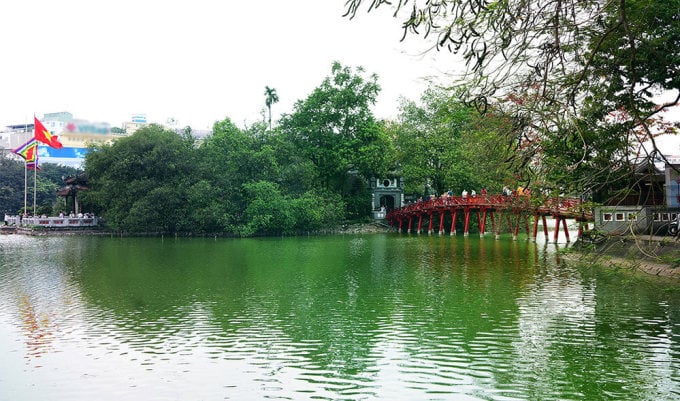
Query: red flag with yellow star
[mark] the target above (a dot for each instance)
(45, 136)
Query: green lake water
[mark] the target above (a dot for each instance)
(357, 317)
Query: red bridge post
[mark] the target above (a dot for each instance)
(518, 219)
(556, 235)
(466, 216)
(441, 221)
(482, 222)
(494, 225)
(566, 230)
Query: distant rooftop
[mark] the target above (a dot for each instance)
(16, 127)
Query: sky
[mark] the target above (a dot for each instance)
(195, 61)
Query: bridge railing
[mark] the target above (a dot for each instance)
(544, 206)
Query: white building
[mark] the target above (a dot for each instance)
(77, 136)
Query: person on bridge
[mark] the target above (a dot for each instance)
(464, 194)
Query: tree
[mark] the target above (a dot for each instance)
(49, 178)
(427, 142)
(140, 183)
(230, 158)
(316, 209)
(444, 144)
(271, 97)
(11, 185)
(268, 211)
(560, 69)
(334, 127)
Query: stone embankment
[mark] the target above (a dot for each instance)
(366, 228)
(658, 256)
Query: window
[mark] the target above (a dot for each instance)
(606, 217)
(632, 216)
(619, 216)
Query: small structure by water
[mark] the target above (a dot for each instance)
(652, 203)
(387, 194)
(73, 185)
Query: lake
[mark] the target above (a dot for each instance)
(346, 317)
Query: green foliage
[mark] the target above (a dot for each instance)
(140, 182)
(49, 178)
(315, 210)
(11, 185)
(231, 158)
(271, 97)
(267, 211)
(577, 80)
(246, 182)
(357, 197)
(208, 208)
(307, 174)
(334, 127)
(446, 144)
(270, 212)
(297, 173)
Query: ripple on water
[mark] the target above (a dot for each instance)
(409, 330)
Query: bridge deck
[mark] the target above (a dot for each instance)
(518, 206)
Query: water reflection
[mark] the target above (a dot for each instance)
(38, 296)
(363, 317)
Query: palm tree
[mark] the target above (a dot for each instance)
(270, 98)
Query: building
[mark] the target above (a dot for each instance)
(13, 136)
(76, 135)
(651, 204)
(137, 121)
(387, 194)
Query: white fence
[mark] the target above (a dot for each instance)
(60, 222)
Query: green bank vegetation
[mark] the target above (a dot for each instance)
(308, 173)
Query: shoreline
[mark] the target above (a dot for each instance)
(351, 228)
(654, 256)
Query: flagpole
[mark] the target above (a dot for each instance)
(25, 186)
(36, 165)
(35, 168)
(35, 184)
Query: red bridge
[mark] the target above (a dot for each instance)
(515, 210)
